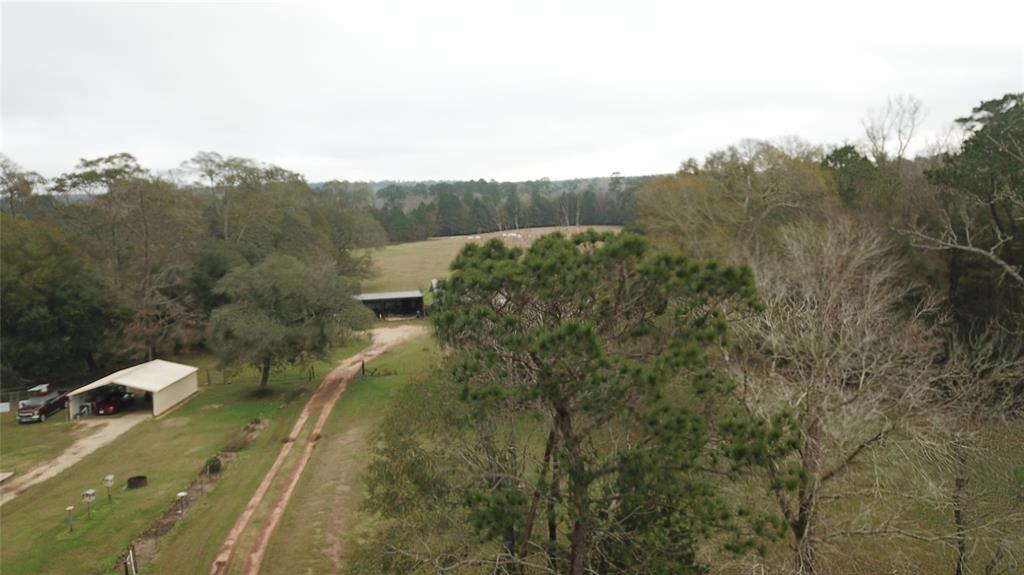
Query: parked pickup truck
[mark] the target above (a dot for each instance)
(41, 404)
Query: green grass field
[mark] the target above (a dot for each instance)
(412, 265)
(24, 446)
(170, 451)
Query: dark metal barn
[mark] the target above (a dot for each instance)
(394, 303)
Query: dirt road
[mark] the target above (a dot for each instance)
(323, 399)
(100, 431)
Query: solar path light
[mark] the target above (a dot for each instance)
(108, 482)
(71, 521)
(88, 496)
(181, 501)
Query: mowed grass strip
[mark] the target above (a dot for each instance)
(324, 517)
(248, 540)
(171, 452)
(412, 265)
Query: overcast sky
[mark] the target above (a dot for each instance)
(456, 90)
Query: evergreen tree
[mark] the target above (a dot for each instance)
(597, 345)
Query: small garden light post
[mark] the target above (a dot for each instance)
(181, 501)
(88, 496)
(108, 482)
(71, 520)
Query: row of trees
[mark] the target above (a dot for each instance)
(419, 211)
(844, 384)
(111, 263)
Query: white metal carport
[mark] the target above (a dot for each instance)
(169, 383)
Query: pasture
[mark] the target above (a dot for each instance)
(412, 265)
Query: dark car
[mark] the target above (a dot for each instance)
(114, 401)
(41, 404)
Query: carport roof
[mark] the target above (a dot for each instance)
(151, 376)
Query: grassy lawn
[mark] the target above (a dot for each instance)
(412, 265)
(323, 517)
(170, 451)
(24, 446)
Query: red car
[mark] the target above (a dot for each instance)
(116, 400)
(41, 404)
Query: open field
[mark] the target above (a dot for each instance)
(170, 451)
(412, 265)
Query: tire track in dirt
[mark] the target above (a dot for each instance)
(324, 398)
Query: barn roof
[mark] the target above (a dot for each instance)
(389, 295)
(151, 376)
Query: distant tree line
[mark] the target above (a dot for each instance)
(417, 211)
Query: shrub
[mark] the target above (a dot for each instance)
(213, 465)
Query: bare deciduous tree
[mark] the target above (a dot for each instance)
(895, 123)
(836, 346)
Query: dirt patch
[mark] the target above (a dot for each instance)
(324, 398)
(101, 431)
